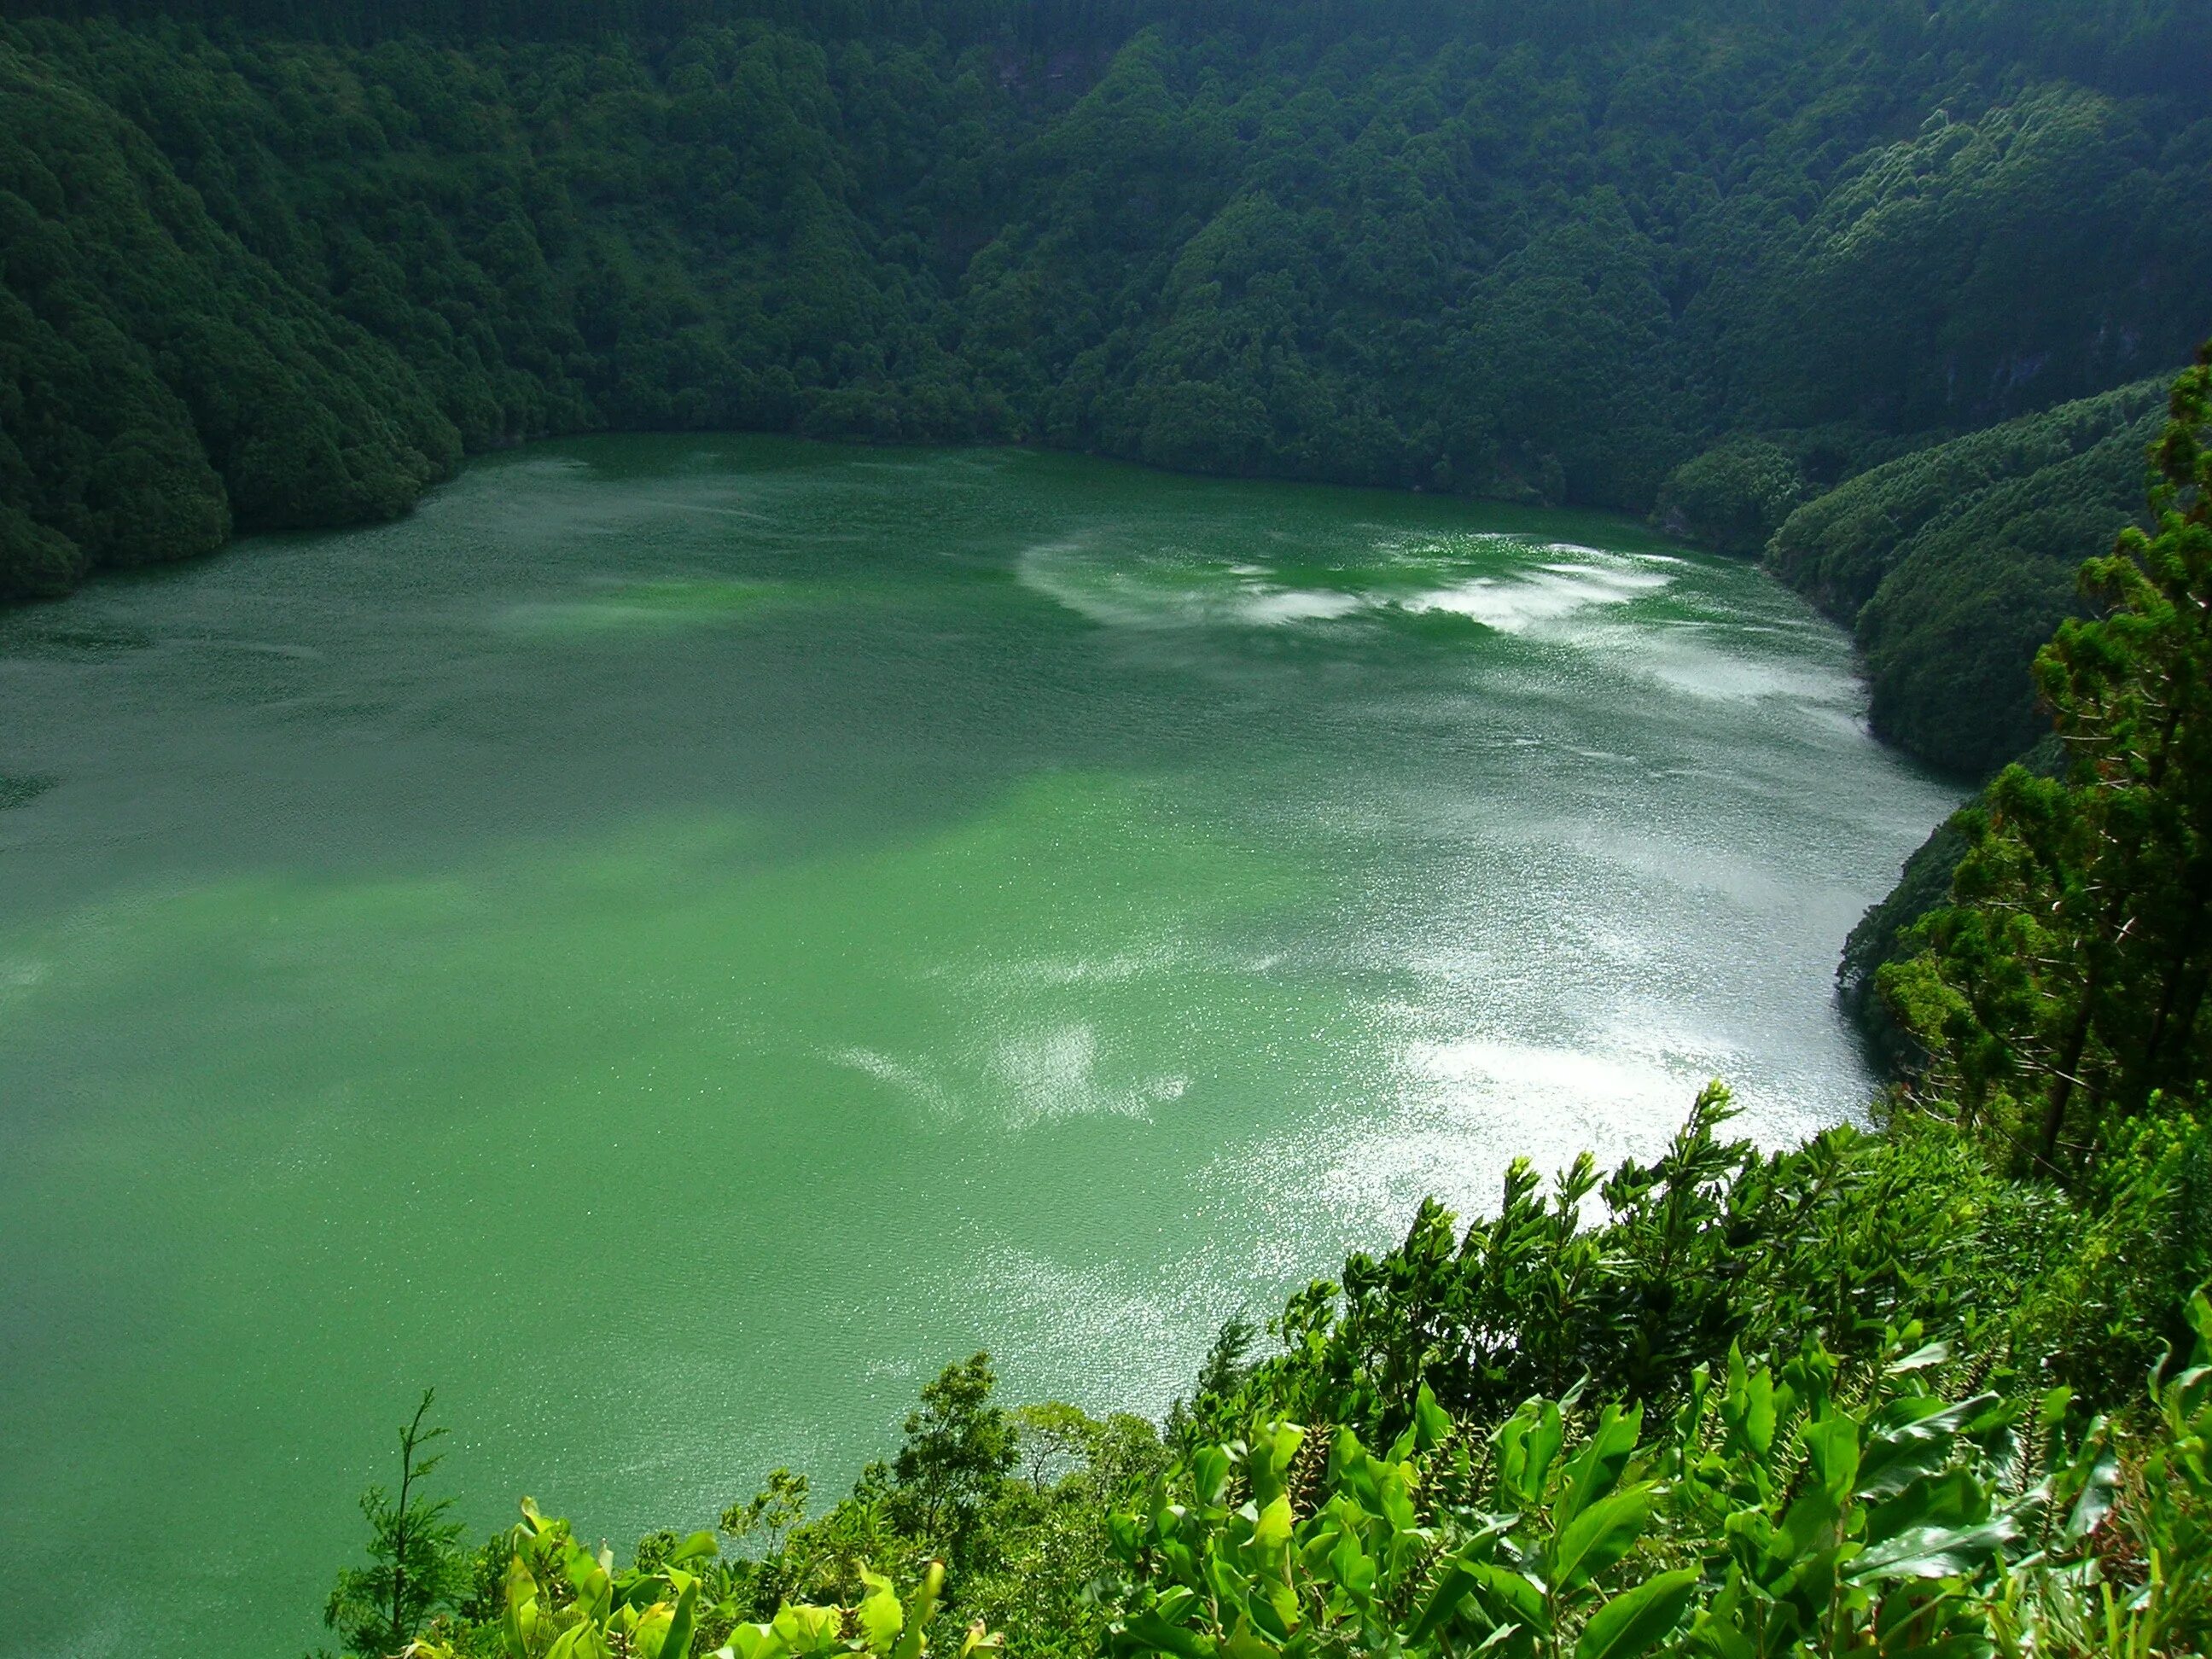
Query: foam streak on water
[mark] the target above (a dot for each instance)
(680, 938)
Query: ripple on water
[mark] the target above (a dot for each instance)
(21, 791)
(1489, 579)
(615, 607)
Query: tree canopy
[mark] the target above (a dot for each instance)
(283, 269)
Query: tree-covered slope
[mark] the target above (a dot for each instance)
(161, 380)
(1952, 564)
(1549, 254)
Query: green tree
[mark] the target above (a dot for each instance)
(1053, 1437)
(958, 1447)
(775, 1509)
(1732, 497)
(415, 1564)
(2066, 985)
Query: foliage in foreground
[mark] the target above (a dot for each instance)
(558, 1599)
(2041, 1308)
(1812, 1507)
(414, 1567)
(991, 1519)
(1717, 1243)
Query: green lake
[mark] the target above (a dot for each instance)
(680, 938)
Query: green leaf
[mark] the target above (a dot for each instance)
(813, 1630)
(1935, 1551)
(880, 1616)
(750, 1642)
(2095, 1502)
(1229, 1587)
(1511, 1640)
(1506, 1594)
(1272, 1529)
(1596, 1469)
(1451, 1589)
(1543, 1448)
(1275, 1612)
(1209, 1474)
(1800, 1534)
(698, 1546)
(1747, 1404)
(1954, 1498)
(1719, 1630)
(919, 1611)
(1636, 1620)
(1268, 1460)
(1527, 1443)
(1951, 1647)
(1431, 1422)
(1155, 1634)
(1759, 1417)
(1454, 1582)
(1936, 1353)
(1911, 1438)
(520, 1620)
(1599, 1536)
(1833, 1444)
(1351, 1569)
(677, 1644)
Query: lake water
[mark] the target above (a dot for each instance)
(680, 938)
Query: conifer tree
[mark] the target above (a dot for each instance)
(415, 1563)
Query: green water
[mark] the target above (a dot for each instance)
(680, 938)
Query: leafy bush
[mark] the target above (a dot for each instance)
(1715, 1242)
(1812, 1507)
(995, 1519)
(560, 1600)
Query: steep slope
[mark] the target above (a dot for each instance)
(1952, 564)
(161, 381)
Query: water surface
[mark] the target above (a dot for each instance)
(680, 938)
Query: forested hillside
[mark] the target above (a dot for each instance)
(284, 269)
(1954, 563)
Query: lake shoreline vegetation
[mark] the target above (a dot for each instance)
(279, 266)
(1942, 1387)
(1886, 296)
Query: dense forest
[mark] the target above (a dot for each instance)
(1954, 563)
(1942, 1390)
(285, 266)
